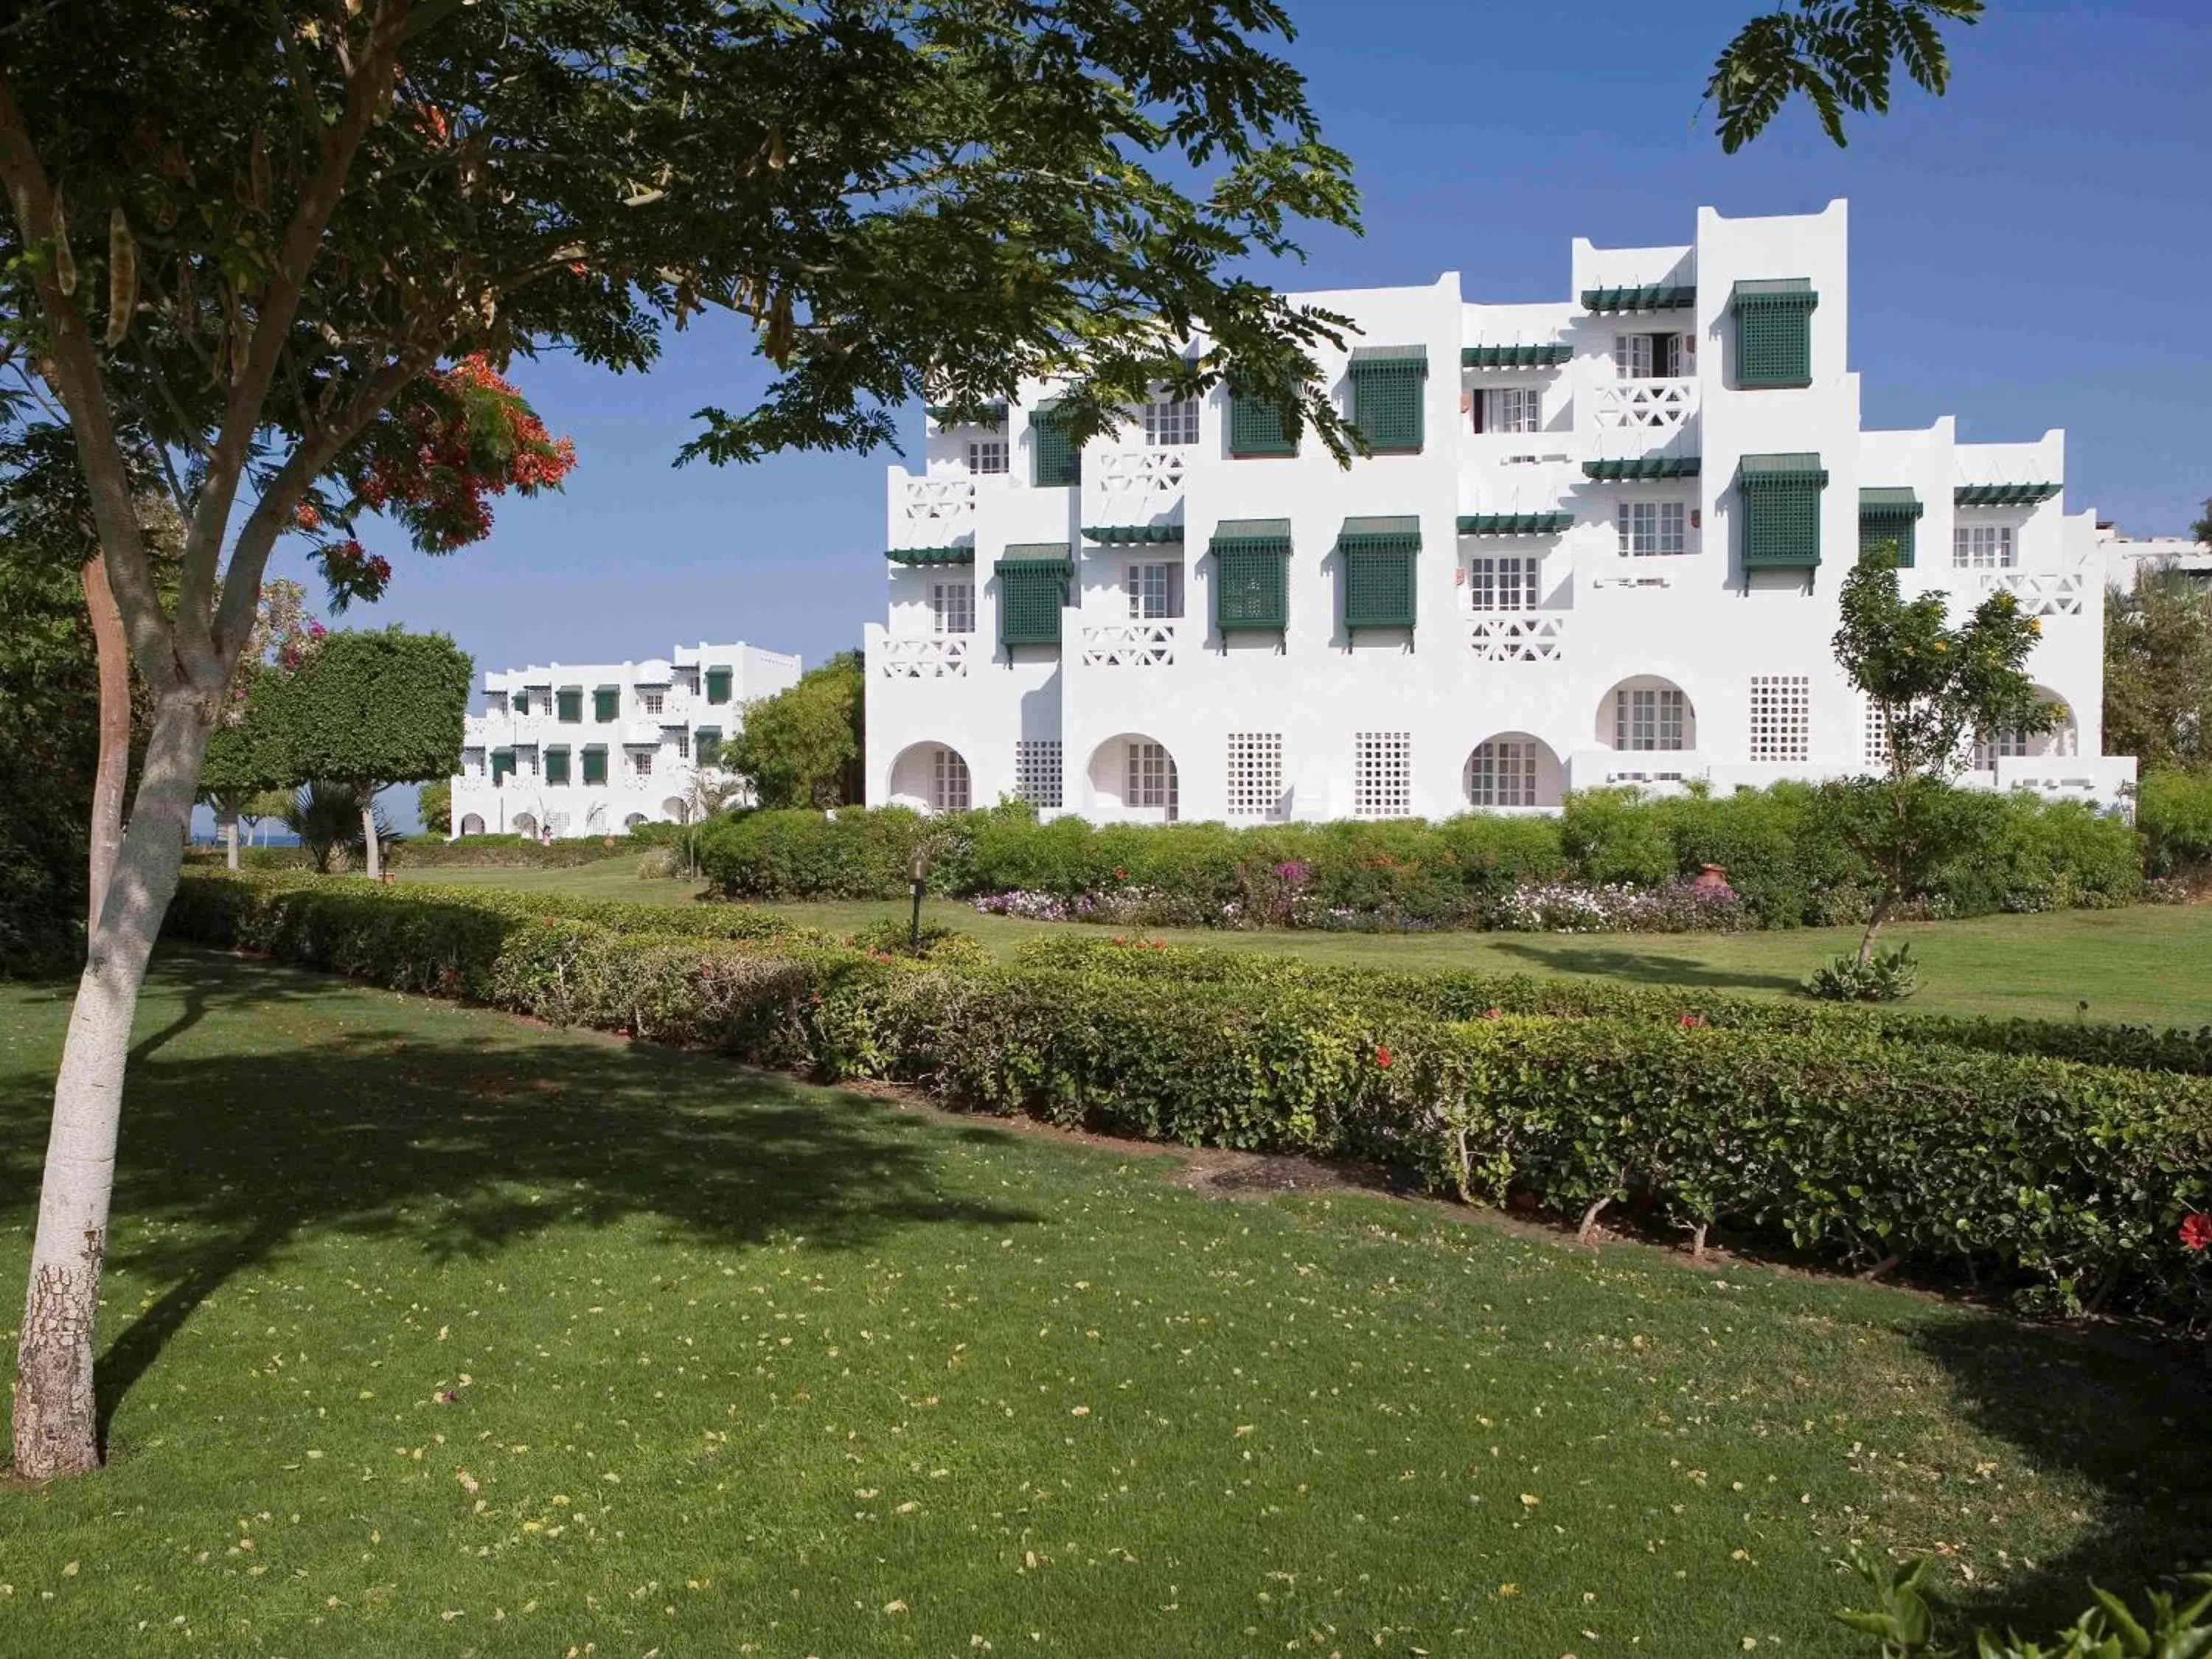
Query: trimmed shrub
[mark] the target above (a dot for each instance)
(2174, 811)
(2067, 1183)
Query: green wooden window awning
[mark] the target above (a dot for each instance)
(1515, 356)
(718, 685)
(1781, 499)
(1649, 296)
(1251, 575)
(994, 414)
(1256, 428)
(1888, 516)
(503, 767)
(570, 699)
(1515, 524)
(595, 762)
(2004, 495)
(1133, 535)
(1643, 468)
(931, 556)
(606, 703)
(1054, 458)
(706, 744)
(1378, 556)
(1773, 332)
(1387, 383)
(556, 764)
(1032, 591)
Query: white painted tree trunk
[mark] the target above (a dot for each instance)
(56, 1427)
(369, 833)
(230, 841)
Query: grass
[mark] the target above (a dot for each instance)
(430, 1331)
(2149, 964)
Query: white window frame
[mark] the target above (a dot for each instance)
(1650, 718)
(1984, 547)
(953, 786)
(681, 737)
(952, 607)
(1172, 424)
(641, 762)
(1150, 777)
(1511, 582)
(1650, 528)
(987, 456)
(1155, 590)
(1503, 773)
(650, 700)
(1514, 409)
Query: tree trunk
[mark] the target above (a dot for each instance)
(113, 770)
(374, 853)
(1884, 908)
(55, 1418)
(230, 841)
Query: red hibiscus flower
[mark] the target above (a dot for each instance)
(2196, 1231)
(1383, 1058)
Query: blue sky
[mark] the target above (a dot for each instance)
(2028, 252)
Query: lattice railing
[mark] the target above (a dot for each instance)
(925, 656)
(1136, 475)
(1504, 636)
(2041, 594)
(950, 502)
(1659, 407)
(1129, 645)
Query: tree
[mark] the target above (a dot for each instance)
(1933, 689)
(434, 804)
(367, 710)
(797, 748)
(241, 764)
(1837, 55)
(247, 237)
(2158, 673)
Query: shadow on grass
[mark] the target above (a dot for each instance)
(2127, 1419)
(1648, 967)
(460, 1148)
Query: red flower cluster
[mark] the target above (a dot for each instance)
(1492, 1013)
(1383, 1058)
(1689, 1020)
(2197, 1230)
(446, 460)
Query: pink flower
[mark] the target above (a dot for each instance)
(1383, 1058)
(2196, 1231)
(1492, 1013)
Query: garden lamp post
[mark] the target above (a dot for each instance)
(917, 875)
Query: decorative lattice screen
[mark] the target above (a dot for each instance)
(1255, 774)
(1385, 397)
(1383, 775)
(1038, 771)
(1781, 717)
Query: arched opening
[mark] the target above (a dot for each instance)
(1133, 779)
(633, 821)
(1514, 770)
(931, 777)
(1646, 712)
(471, 825)
(523, 824)
(677, 809)
(2061, 741)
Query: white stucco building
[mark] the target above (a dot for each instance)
(596, 749)
(1600, 541)
(2129, 558)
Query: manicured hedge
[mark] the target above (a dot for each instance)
(1782, 852)
(2064, 1182)
(2174, 811)
(1456, 993)
(469, 851)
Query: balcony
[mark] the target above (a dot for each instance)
(1130, 644)
(2042, 594)
(929, 512)
(641, 729)
(1511, 636)
(925, 656)
(1134, 486)
(1648, 413)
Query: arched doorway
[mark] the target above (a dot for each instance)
(1133, 779)
(931, 777)
(1514, 770)
(1646, 712)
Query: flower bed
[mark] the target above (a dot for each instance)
(2065, 1182)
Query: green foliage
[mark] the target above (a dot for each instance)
(1885, 976)
(366, 708)
(1838, 57)
(799, 748)
(947, 945)
(2158, 673)
(326, 817)
(1904, 1621)
(434, 804)
(2058, 1181)
(2174, 810)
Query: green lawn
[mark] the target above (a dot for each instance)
(2151, 963)
(432, 1332)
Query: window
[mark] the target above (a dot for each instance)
(572, 705)
(595, 764)
(687, 679)
(949, 786)
(680, 738)
(718, 685)
(1152, 778)
(527, 753)
(1382, 774)
(502, 766)
(706, 744)
(495, 703)
(1255, 774)
(1256, 428)
(1647, 357)
(650, 701)
(1057, 461)
(606, 704)
(472, 761)
(987, 455)
(1648, 719)
(1503, 773)
(1510, 409)
(556, 766)
(1169, 426)
(1387, 384)
(1502, 584)
(1983, 547)
(1781, 720)
(952, 607)
(1155, 591)
(1773, 332)
(1036, 771)
(1651, 528)
(641, 762)
(1874, 738)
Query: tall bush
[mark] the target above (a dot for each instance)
(2174, 811)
